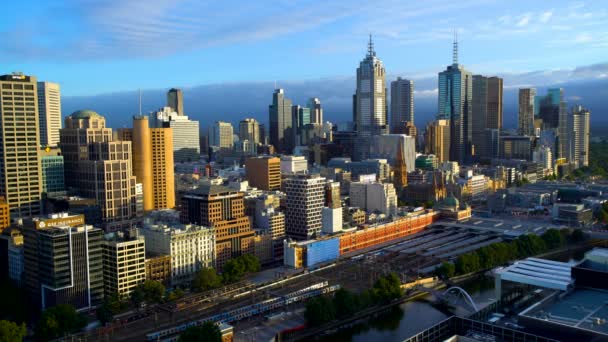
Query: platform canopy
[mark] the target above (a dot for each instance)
(538, 272)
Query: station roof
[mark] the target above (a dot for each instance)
(539, 272)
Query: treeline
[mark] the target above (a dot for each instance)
(500, 253)
(323, 309)
(234, 270)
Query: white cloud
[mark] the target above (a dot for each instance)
(545, 17)
(426, 92)
(524, 20)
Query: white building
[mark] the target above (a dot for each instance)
(293, 164)
(221, 134)
(386, 146)
(191, 247)
(124, 263)
(579, 137)
(331, 220)
(49, 113)
(372, 197)
(305, 199)
(544, 156)
(451, 167)
(186, 135)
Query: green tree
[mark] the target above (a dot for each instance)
(319, 310)
(206, 332)
(206, 279)
(467, 263)
(58, 321)
(150, 291)
(577, 236)
(387, 288)
(553, 239)
(345, 303)
(446, 270)
(12, 332)
(175, 294)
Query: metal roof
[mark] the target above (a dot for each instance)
(539, 272)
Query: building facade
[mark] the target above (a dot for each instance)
(175, 100)
(49, 109)
(402, 103)
(579, 136)
(20, 180)
(51, 163)
(186, 134)
(264, 172)
(305, 198)
(525, 120)
(123, 263)
(249, 129)
(316, 111)
(437, 140)
(281, 122)
(221, 134)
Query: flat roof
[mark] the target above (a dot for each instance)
(585, 309)
(539, 272)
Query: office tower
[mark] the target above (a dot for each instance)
(249, 129)
(402, 103)
(186, 135)
(526, 111)
(20, 183)
(280, 118)
(5, 214)
(175, 100)
(221, 134)
(455, 104)
(516, 147)
(11, 256)
(316, 111)
(387, 147)
(293, 164)
(579, 136)
(300, 119)
(269, 219)
(99, 167)
(494, 106)
(190, 247)
(400, 171)
(332, 195)
(223, 209)
(437, 139)
(370, 96)
(63, 263)
(553, 111)
(263, 135)
(152, 162)
(305, 197)
(49, 113)
(51, 164)
(544, 157)
(374, 196)
(491, 144)
(486, 109)
(124, 267)
(264, 172)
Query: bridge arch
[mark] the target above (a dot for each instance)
(464, 293)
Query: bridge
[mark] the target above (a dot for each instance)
(455, 295)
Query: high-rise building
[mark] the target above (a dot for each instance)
(402, 103)
(49, 109)
(553, 111)
(374, 196)
(516, 147)
(63, 263)
(486, 109)
(370, 96)
(221, 134)
(186, 135)
(400, 171)
(249, 129)
(579, 136)
(264, 172)
(387, 147)
(293, 164)
(316, 111)
(526, 111)
(455, 104)
(99, 167)
(175, 100)
(269, 219)
(223, 209)
(5, 215)
(152, 162)
(21, 182)
(51, 163)
(437, 140)
(281, 123)
(544, 157)
(300, 120)
(305, 197)
(124, 267)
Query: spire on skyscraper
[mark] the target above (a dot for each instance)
(370, 47)
(455, 52)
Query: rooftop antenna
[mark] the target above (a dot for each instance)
(455, 52)
(370, 47)
(275, 84)
(140, 101)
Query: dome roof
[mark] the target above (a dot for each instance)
(85, 114)
(451, 201)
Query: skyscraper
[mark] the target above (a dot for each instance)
(579, 136)
(400, 171)
(280, 118)
(186, 135)
(305, 197)
(316, 111)
(486, 109)
(264, 172)
(300, 119)
(99, 167)
(175, 100)
(49, 109)
(494, 106)
(370, 96)
(20, 181)
(437, 140)
(553, 111)
(249, 129)
(455, 99)
(526, 111)
(221, 134)
(402, 103)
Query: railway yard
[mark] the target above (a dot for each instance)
(245, 304)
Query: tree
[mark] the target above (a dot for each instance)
(467, 263)
(577, 236)
(206, 279)
(206, 332)
(12, 332)
(175, 294)
(104, 314)
(446, 270)
(553, 239)
(345, 303)
(58, 321)
(387, 288)
(319, 310)
(150, 291)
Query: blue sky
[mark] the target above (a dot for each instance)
(99, 46)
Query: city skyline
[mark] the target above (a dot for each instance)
(171, 40)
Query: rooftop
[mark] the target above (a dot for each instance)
(539, 272)
(85, 114)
